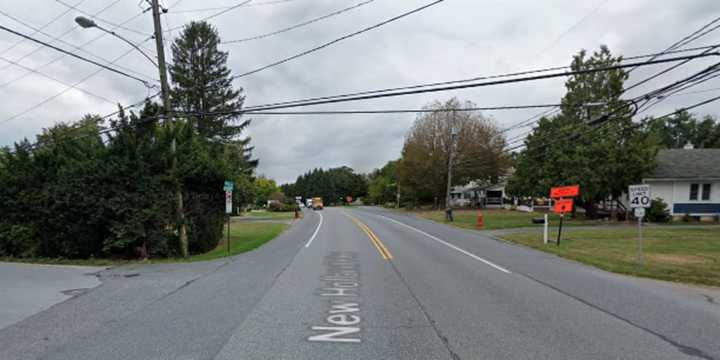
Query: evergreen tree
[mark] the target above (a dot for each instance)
(202, 84)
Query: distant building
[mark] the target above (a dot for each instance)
(473, 194)
(688, 180)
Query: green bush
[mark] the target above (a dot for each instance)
(658, 211)
(17, 241)
(280, 207)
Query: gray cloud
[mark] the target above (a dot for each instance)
(454, 40)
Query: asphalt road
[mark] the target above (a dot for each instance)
(370, 284)
(28, 289)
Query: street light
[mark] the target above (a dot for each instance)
(86, 23)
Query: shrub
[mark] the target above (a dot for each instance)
(17, 241)
(280, 207)
(658, 211)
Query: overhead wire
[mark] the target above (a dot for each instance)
(505, 81)
(451, 82)
(69, 30)
(102, 118)
(702, 31)
(476, 84)
(56, 38)
(337, 40)
(60, 57)
(271, 2)
(111, 23)
(299, 25)
(42, 27)
(206, 18)
(66, 52)
(73, 85)
(86, 92)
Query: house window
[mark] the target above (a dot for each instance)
(694, 191)
(706, 192)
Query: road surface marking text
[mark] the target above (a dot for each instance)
(341, 286)
(487, 262)
(316, 231)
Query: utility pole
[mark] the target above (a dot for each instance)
(453, 136)
(165, 89)
(397, 195)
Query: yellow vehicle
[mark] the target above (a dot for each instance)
(317, 203)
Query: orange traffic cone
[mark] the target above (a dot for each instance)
(480, 221)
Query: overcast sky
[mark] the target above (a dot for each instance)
(455, 39)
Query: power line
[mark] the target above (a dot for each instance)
(213, 15)
(55, 79)
(571, 28)
(341, 98)
(368, 112)
(75, 55)
(49, 99)
(320, 47)
(119, 26)
(46, 64)
(461, 81)
(38, 144)
(71, 29)
(671, 49)
(57, 38)
(52, 21)
(604, 119)
(272, 2)
(296, 26)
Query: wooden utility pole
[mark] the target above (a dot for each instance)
(453, 135)
(165, 90)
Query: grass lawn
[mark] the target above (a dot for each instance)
(689, 255)
(499, 218)
(243, 237)
(270, 215)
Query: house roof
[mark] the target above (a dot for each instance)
(687, 164)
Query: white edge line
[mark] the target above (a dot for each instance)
(487, 262)
(316, 231)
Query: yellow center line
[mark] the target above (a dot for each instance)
(381, 248)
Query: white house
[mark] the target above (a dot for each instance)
(688, 180)
(474, 194)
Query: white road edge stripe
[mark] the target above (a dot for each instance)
(490, 263)
(316, 231)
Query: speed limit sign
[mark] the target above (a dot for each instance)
(639, 196)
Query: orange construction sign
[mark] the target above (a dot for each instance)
(563, 206)
(565, 191)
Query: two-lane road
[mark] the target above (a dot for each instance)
(363, 283)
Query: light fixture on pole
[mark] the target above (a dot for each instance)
(86, 23)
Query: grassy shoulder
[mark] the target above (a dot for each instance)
(244, 237)
(688, 255)
(499, 218)
(270, 215)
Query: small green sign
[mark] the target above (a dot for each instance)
(229, 185)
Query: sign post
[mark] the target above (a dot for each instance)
(562, 203)
(639, 196)
(228, 187)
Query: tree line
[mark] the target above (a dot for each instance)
(332, 185)
(83, 191)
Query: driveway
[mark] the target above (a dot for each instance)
(26, 289)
